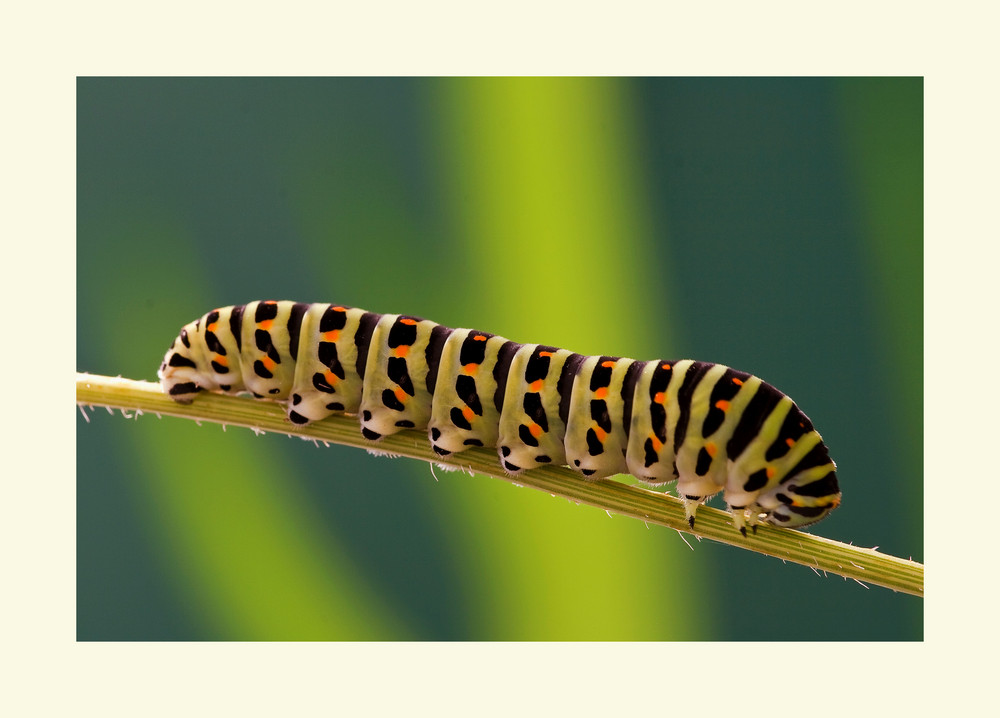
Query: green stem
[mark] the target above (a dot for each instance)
(867, 566)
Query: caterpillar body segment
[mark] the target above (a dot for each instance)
(464, 411)
(328, 376)
(595, 437)
(532, 425)
(706, 426)
(395, 393)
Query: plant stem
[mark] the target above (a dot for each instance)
(823, 555)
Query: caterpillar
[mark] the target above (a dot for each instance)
(706, 426)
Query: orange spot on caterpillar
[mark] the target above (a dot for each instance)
(712, 449)
(657, 444)
(666, 367)
(339, 309)
(722, 404)
(331, 336)
(409, 322)
(470, 369)
(469, 414)
(790, 442)
(401, 395)
(535, 430)
(771, 472)
(212, 327)
(268, 362)
(535, 386)
(330, 377)
(660, 398)
(607, 364)
(545, 354)
(601, 433)
(221, 360)
(479, 338)
(402, 350)
(601, 393)
(737, 382)
(266, 324)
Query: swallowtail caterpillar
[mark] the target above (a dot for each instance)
(706, 426)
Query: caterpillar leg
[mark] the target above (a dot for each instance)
(744, 516)
(753, 517)
(691, 504)
(739, 514)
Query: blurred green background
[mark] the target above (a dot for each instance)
(774, 225)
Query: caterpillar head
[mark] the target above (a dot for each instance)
(179, 373)
(802, 499)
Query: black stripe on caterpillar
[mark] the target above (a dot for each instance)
(706, 426)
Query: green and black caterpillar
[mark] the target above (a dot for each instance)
(704, 425)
